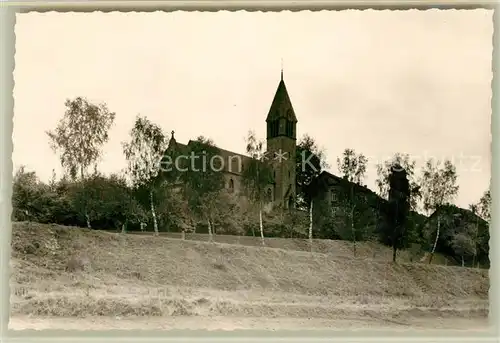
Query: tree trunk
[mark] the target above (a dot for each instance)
(463, 262)
(353, 231)
(435, 241)
(311, 225)
(261, 226)
(87, 218)
(210, 238)
(475, 243)
(153, 212)
(124, 229)
(183, 235)
(395, 234)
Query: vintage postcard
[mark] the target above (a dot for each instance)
(250, 170)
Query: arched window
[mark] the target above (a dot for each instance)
(289, 128)
(269, 195)
(274, 128)
(231, 185)
(290, 203)
(282, 126)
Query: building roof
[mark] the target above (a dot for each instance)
(233, 162)
(281, 107)
(332, 179)
(450, 209)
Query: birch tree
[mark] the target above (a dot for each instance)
(484, 206)
(482, 210)
(352, 167)
(439, 187)
(464, 246)
(256, 176)
(474, 209)
(80, 136)
(310, 191)
(310, 161)
(144, 152)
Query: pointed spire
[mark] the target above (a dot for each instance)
(173, 134)
(281, 69)
(281, 105)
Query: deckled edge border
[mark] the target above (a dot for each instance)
(8, 12)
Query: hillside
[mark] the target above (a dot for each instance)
(338, 248)
(65, 272)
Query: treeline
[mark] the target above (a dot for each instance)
(193, 201)
(433, 223)
(110, 203)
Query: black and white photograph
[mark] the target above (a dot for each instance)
(325, 170)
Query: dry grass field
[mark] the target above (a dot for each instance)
(76, 278)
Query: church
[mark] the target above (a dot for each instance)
(281, 138)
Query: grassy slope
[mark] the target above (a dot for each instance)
(336, 248)
(144, 275)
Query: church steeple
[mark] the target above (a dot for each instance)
(281, 107)
(281, 141)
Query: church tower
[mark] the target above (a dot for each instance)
(281, 146)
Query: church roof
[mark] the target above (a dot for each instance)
(231, 159)
(281, 106)
(330, 179)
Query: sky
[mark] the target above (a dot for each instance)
(378, 82)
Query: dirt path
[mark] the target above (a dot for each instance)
(261, 323)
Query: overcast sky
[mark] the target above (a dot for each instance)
(379, 82)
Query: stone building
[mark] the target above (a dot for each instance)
(338, 201)
(281, 124)
(332, 188)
